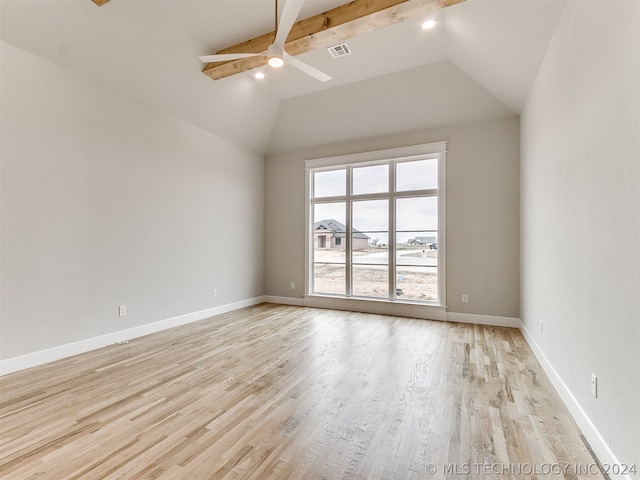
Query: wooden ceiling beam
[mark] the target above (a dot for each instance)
(99, 2)
(326, 29)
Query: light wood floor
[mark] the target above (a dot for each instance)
(278, 392)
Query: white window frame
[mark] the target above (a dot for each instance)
(414, 152)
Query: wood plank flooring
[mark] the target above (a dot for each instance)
(279, 392)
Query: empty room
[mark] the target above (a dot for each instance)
(320, 239)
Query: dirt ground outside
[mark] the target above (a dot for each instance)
(415, 281)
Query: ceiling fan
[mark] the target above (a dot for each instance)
(275, 52)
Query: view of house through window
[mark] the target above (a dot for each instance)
(375, 230)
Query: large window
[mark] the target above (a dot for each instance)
(375, 225)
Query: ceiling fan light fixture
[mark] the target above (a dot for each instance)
(275, 61)
(275, 54)
(428, 24)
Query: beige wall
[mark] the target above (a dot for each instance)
(482, 213)
(581, 219)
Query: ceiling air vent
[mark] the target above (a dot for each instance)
(339, 50)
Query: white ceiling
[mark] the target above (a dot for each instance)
(148, 49)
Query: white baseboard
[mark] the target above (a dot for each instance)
(394, 308)
(41, 357)
(299, 302)
(484, 319)
(597, 443)
(588, 429)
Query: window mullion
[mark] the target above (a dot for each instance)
(432, 192)
(392, 232)
(309, 220)
(349, 235)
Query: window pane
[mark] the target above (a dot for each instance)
(370, 281)
(419, 213)
(371, 179)
(329, 232)
(329, 278)
(329, 248)
(330, 211)
(377, 254)
(417, 248)
(329, 254)
(419, 175)
(371, 215)
(417, 283)
(378, 242)
(331, 183)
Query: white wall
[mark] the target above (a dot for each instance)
(482, 212)
(580, 216)
(107, 203)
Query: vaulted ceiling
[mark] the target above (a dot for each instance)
(148, 50)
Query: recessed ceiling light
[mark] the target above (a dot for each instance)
(259, 75)
(428, 24)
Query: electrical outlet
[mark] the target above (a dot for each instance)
(465, 298)
(594, 385)
(122, 311)
(293, 286)
(214, 294)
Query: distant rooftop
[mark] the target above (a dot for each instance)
(339, 229)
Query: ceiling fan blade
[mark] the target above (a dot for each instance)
(287, 19)
(226, 57)
(306, 68)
